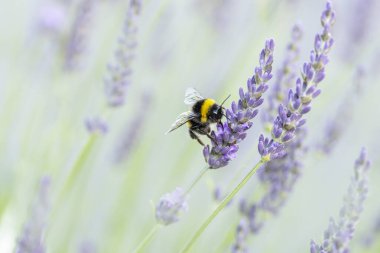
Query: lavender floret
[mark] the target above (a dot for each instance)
(229, 134)
(170, 206)
(339, 233)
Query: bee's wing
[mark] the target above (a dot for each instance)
(192, 96)
(181, 120)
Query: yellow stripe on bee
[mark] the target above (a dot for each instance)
(205, 108)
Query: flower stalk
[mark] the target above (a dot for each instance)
(220, 207)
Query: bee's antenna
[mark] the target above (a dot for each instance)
(225, 100)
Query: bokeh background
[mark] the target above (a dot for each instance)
(95, 191)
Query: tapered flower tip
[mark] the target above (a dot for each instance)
(362, 160)
(170, 206)
(269, 44)
(328, 16)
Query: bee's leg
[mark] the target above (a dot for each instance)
(207, 132)
(194, 136)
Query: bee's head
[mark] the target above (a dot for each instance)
(217, 112)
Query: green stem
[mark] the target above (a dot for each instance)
(220, 207)
(196, 180)
(77, 167)
(147, 238)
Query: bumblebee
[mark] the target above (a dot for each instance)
(204, 111)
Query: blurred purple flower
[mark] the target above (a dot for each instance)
(170, 206)
(339, 233)
(75, 45)
(290, 116)
(359, 26)
(229, 134)
(219, 195)
(32, 238)
(96, 125)
(51, 18)
(337, 125)
(241, 235)
(133, 130)
(119, 72)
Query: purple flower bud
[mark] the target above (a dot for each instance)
(170, 206)
(287, 137)
(305, 109)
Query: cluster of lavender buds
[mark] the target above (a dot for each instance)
(340, 233)
(240, 115)
(33, 233)
(286, 75)
(170, 206)
(335, 127)
(290, 116)
(76, 39)
(96, 125)
(242, 233)
(120, 71)
(359, 27)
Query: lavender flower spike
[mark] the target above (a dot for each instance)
(76, 42)
(339, 234)
(170, 206)
(120, 71)
(278, 176)
(240, 115)
(33, 233)
(290, 116)
(286, 75)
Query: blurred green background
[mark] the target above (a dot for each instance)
(102, 186)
